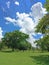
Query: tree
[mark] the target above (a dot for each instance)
(43, 27)
(16, 40)
(43, 43)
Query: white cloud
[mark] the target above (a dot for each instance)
(10, 20)
(17, 3)
(1, 36)
(26, 22)
(8, 4)
(38, 11)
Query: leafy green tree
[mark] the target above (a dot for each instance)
(16, 40)
(43, 43)
(43, 27)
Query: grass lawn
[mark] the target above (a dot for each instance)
(24, 58)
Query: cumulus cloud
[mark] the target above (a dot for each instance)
(1, 36)
(38, 11)
(8, 4)
(26, 22)
(16, 3)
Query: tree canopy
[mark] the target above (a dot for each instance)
(43, 27)
(16, 40)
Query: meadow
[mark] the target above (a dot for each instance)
(24, 58)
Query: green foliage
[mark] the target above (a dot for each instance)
(43, 43)
(16, 40)
(47, 5)
(24, 45)
(43, 25)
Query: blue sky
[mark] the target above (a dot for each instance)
(24, 6)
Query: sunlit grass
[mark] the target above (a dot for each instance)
(24, 58)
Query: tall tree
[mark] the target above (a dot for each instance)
(43, 27)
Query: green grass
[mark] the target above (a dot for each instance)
(24, 58)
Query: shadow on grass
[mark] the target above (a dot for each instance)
(41, 59)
